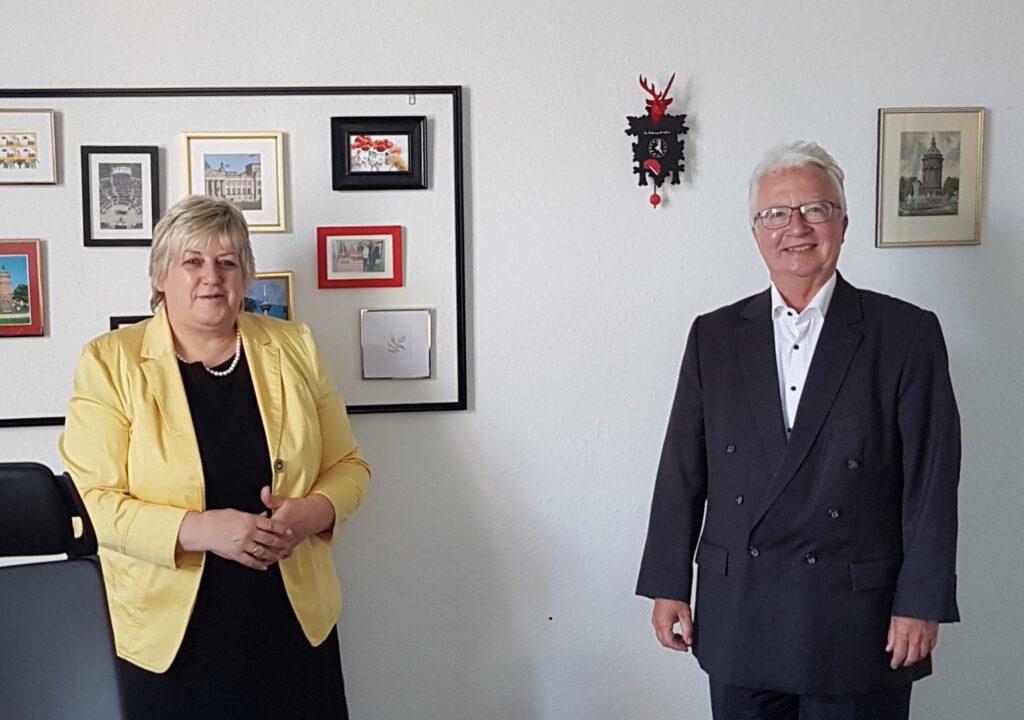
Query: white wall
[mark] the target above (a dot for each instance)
(490, 573)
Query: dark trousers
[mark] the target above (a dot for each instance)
(729, 702)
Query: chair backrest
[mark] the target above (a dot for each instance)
(57, 655)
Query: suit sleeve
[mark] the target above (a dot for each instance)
(94, 448)
(344, 474)
(680, 490)
(929, 426)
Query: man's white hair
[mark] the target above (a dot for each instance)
(796, 154)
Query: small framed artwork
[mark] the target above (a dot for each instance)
(120, 194)
(27, 147)
(21, 289)
(245, 168)
(271, 294)
(120, 321)
(379, 153)
(359, 257)
(396, 343)
(929, 176)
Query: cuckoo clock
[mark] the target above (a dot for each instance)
(658, 150)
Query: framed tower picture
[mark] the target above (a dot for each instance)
(21, 293)
(929, 176)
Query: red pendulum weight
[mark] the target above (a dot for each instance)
(655, 167)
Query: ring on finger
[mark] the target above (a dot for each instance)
(257, 551)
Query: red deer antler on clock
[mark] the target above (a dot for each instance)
(660, 102)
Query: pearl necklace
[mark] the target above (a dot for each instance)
(231, 367)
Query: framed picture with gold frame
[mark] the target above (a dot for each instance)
(929, 176)
(245, 168)
(28, 154)
(271, 294)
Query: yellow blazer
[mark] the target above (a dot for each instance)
(130, 447)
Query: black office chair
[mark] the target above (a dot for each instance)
(57, 658)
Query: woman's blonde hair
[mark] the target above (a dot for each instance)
(190, 224)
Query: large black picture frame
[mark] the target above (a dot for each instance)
(454, 92)
(87, 191)
(344, 129)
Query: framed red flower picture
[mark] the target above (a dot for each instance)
(379, 153)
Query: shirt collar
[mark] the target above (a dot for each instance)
(821, 300)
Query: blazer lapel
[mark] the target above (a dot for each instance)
(264, 359)
(160, 366)
(755, 341)
(835, 350)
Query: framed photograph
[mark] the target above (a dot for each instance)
(119, 321)
(396, 343)
(359, 257)
(271, 294)
(379, 153)
(27, 147)
(120, 194)
(21, 291)
(929, 176)
(245, 168)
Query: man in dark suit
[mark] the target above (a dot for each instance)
(810, 470)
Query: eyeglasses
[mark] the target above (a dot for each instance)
(815, 212)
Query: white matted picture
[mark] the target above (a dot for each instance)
(120, 194)
(27, 154)
(244, 168)
(359, 256)
(929, 176)
(396, 343)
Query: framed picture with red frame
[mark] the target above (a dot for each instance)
(21, 293)
(359, 256)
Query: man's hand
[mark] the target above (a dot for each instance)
(911, 640)
(666, 614)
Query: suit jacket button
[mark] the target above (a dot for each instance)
(279, 465)
(810, 558)
(853, 463)
(834, 513)
(739, 499)
(754, 552)
(730, 448)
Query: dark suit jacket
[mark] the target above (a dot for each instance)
(809, 546)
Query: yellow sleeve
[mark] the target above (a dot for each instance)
(344, 474)
(94, 447)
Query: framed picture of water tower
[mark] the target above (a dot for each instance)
(21, 295)
(929, 176)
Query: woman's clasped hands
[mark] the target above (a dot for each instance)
(253, 539)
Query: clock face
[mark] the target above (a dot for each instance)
(657, 148)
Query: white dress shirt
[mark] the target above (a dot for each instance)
(796, 336)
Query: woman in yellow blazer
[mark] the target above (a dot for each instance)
(216, 460)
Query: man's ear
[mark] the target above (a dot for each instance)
(846, 224)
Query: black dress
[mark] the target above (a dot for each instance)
(244, 654)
